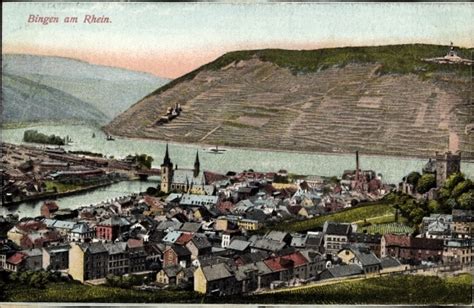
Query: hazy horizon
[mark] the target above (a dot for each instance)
(172, 39)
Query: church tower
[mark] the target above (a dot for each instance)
(166, 173)
(197, 165)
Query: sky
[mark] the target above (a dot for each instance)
(171, 39)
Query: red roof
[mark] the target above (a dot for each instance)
(225, 207)
(212, 177)
(184, 238)
(134, 243)
(295, 259)
(152, 201)
(413, 242)
(17, 258)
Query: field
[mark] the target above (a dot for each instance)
(374, 213)
(393, 227)
(61, 187)
(403, 289)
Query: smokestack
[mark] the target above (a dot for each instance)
(357, 165)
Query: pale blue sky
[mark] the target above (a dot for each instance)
(179, 37)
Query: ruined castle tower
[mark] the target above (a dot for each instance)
(166, 173)
(446, 164)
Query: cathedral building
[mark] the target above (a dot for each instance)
(183, 180)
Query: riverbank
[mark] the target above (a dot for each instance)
(278, 150)
(55, 195)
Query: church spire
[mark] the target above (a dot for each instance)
(197, 165)
(166, 160)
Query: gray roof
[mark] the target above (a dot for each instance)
(190, 227)
(169, 224)
(298, 241)
(238, 245)
(173, 197)
(172, 236)
(267, 244)
(334, 228)
(81, 228)
(389, 262)
(216, 272)
(173, 270)
(364, 255)
(199, 200)
(260, 267)
(115, 248)
(278, 236)
(93, 248)
(57, 249)
(201, 242)
(33, 252)
(345, 270)
(115, 221)
(64, 224)
(186, 176)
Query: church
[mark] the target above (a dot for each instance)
(174, 179)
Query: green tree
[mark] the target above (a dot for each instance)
(425, 183)
(461, 188)
(466, 200)
(413, 178)
(433, 206)
(453, 180)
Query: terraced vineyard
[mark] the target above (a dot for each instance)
(376, 102)
(396, 228)
(359, 215)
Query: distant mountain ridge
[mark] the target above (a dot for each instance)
(110, 90)
(379, 100)
(24, 100)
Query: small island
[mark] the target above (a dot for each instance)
(35, 137)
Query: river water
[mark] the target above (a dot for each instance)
(391, 168)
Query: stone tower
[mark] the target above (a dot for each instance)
(196, 165)
(447, 164)
(166, 173)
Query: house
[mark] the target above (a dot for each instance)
(390, 265)
(15, 262)
(372, 241)
(111, 228)
(265, 244)
(279, 236)
(176, 255)
(88, 261)
(199, 245)
(291, 266)
(315, 241)
(216, 279)
(463, 224)
(56, 257)
(239, 246)
(137, 255)
(411, 249)
(335, 236)
(458, 251)
(34, 260)
(199, 201)
(171, 275)
(81, 232)
(172, 237)
(341, 271)
(118, 261)
(362, 256)
(49, 208)
(254, 276)
(249, 224)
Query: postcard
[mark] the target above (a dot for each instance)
(237, 153)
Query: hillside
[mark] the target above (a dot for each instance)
(379, 100)
(24, 100)
(109, 89)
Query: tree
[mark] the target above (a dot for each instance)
(453, 180)
(413, 178)
(466, 200)
(433, 206)
(461, 188)
(144, 160)
(425, 183)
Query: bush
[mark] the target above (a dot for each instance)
(425, 183)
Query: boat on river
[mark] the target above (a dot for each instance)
(215, 150)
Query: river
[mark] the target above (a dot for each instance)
(391, 168)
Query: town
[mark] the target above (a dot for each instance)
(243, 232)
